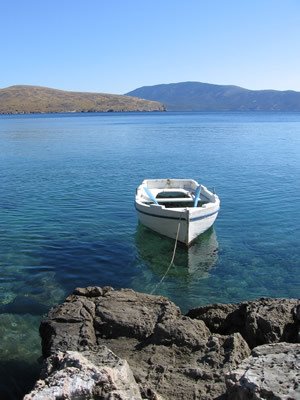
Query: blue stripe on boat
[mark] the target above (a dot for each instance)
(205, 216)
(179, 218)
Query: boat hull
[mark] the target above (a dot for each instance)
(190, 222)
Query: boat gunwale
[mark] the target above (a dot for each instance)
(207, 195)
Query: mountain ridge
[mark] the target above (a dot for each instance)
(27, 99)
(199, 96)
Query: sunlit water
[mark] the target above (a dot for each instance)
(67, 214)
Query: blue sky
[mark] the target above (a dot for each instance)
(115, 46)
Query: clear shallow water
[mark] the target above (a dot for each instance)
(68, 219)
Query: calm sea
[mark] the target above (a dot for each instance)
(68, 219)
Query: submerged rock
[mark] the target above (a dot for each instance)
(171, 356)
(23, 305)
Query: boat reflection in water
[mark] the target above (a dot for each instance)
(189, 263)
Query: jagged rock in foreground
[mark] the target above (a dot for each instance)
(86, 375)
(271, 372)
(171, 356)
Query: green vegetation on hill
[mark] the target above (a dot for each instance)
(197, 96)
(34, 99)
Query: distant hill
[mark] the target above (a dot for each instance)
(197, 96)
(36, 99)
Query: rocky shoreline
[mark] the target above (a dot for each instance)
(103, 343)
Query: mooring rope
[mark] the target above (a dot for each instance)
(171, 263)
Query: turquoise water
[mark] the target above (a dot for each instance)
(68, 219)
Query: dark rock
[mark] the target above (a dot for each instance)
(69, 326)
(270, 322)
(220, 318)
(181, 332)
(130, 314)
(171, 356)
(297, 313)
(259, 322)
(90, 291)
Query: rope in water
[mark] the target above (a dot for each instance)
(171, 263)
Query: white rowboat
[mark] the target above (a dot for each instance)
(164, 205)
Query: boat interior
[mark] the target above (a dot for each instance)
(175, 198)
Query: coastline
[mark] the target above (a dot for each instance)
(81, 112)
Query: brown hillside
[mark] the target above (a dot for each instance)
(35, 99)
